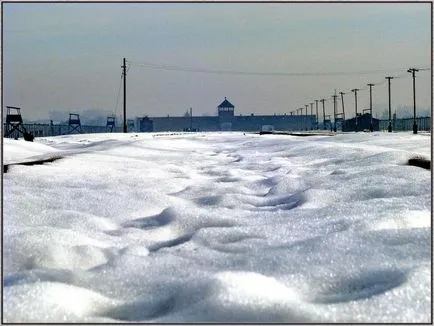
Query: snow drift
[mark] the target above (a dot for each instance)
(218, 227)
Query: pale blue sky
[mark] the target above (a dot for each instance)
(63, 56)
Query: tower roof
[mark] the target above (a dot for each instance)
(226, 104)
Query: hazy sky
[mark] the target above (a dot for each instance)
(67, 57)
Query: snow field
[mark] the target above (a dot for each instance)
(218, 227)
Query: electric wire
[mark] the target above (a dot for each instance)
(251, 73)
(401, 76)
(166, 67)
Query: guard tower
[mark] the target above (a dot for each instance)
(74, 123)
(111, 122)
(14, 124)
(226, 115)
(145, 124)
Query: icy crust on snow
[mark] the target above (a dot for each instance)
(218, 227)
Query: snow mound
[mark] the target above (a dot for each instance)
(218, 227)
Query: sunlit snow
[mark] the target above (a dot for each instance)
(217, 227)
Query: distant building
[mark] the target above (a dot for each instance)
(226, 120)
(226, 115)
(360, 123)
(145, 124)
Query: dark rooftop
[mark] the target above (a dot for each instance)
(226, 104)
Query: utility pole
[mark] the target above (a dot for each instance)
(371, 126)
(191, 119)
(355, 102)
(305, 116)
(343, 108)
(334, 110)
(316, 118)
(124, 67)
(323, 113)
(389, 128)
(413, 72)
(311, 114)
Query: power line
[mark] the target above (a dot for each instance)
(382, 82)
(166, 67)
(149, 65)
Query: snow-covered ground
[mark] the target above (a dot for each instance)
(218, 227)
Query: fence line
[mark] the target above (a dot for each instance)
(423, 124)
(45, 130)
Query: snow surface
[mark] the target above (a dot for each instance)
(218, 227)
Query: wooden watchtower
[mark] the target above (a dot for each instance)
(111, 123)
(74, 123)
(14, 121)
(14, 124)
